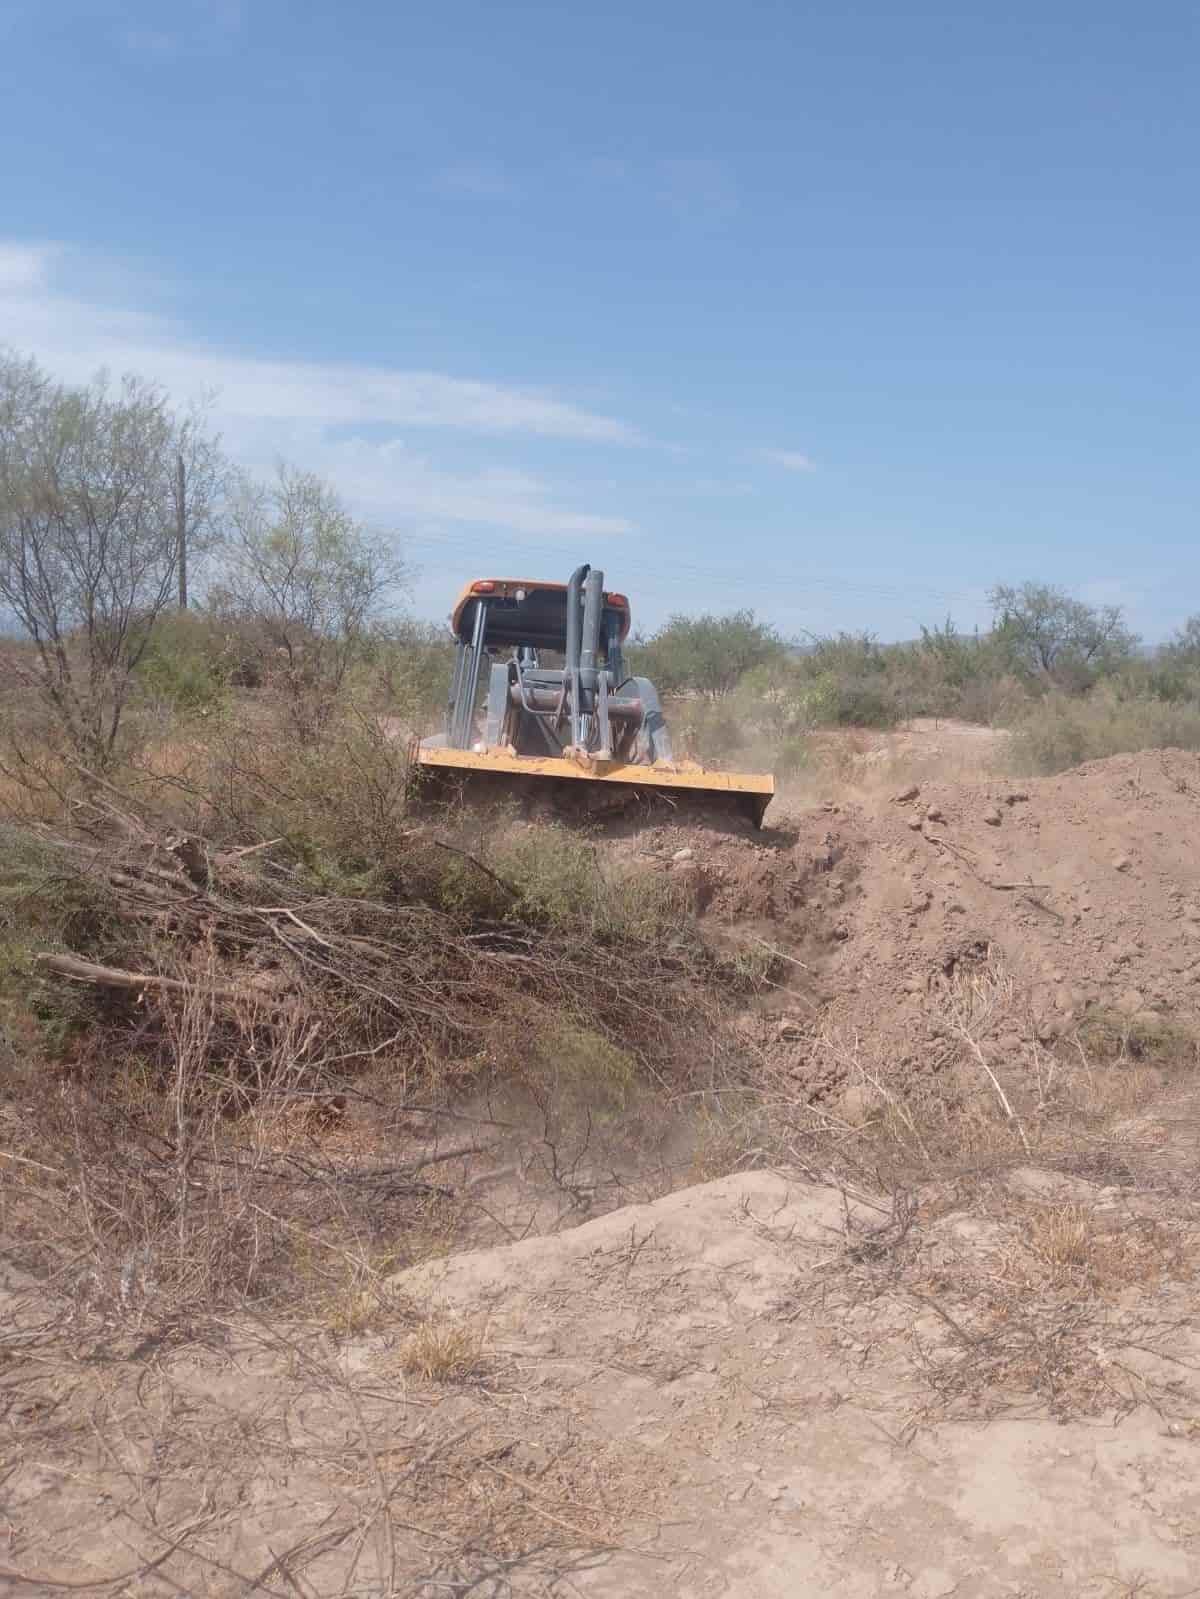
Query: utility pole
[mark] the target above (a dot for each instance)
(181, 529)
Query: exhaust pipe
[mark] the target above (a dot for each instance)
(593, 605)
(574, 641)
(574, 589)
(592, 685)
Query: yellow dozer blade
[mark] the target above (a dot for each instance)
(746, 793)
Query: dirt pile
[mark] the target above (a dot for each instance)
(1085, 885)
(810, 1372)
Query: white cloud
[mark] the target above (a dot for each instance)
(392, 479)
(303, 410)
(76, 337)
(23, 267)
(789, 460)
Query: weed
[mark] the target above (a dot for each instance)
(1063, 1236)
(444, 1351)
(1074, 1249)
(750, 968)
(722, 1143)
(1109, 1036)
(559, 883)
(568, 1057)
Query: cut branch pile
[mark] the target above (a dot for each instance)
(399, 977)
(263, 1066)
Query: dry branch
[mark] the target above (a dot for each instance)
(76, 970)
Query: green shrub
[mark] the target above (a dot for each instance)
(405, 670)
(340, 801)
(560, 884)
(1059, 731)
(1057, 641)
(187, 662)
(854, 670)
(705, 655)
(708, 731)
(46, 902)
(791, 755)
(570, 1059)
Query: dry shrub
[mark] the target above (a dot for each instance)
(174, 1164)
(1007, 1300)
(988, 1092)
(444, 1351)
(1060, 731)
(143, 1177)
(1110, 1037)
(1064, 1237)
(338, 801)
(1077, 1246)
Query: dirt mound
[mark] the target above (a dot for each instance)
(784, 1353)
(756, 1387)
(1085, 885)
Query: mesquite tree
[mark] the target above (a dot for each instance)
(308, 581)
(90, 534)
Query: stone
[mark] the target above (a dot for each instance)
(857, 1104)
(916, 823)
(683, 854)
(906, 794)
(934, 814)
(1148, 1020)
(992, 817)
(1121, 863)
(1035, 1182)
(1130, 1002)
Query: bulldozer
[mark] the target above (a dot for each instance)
(558, 708)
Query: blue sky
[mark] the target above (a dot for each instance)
(840, 311)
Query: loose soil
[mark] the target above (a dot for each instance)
(1085, 885)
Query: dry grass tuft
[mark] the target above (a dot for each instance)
(444, 1351)
(1111, 1037)
(1076, 1246)
(1063, 1236)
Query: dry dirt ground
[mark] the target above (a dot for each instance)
(1086, 884)
(801, 1378)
